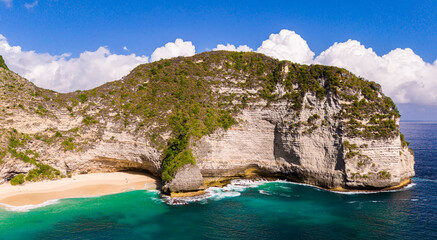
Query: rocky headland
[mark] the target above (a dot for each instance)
(197, 121)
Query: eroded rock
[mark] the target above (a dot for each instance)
(188, 178)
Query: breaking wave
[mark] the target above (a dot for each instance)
(236, 187)
(233, 189)
(26, 208)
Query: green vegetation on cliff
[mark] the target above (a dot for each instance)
(17, 180)
(17, 143)
(3, 64)
(172, 103)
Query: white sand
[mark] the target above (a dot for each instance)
(87, 185)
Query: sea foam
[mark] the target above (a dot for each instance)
(26, 208)
(234, 189)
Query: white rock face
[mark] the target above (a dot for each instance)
(379, 157)
(109, 150)
(249, 143)
(264, 139)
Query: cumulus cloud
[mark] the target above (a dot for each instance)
(403, 75)
(64, 73)
(287, 45)
(176, 49)
(8, 3)
(31, 5)
(230, 47)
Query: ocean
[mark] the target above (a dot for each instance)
(247, 210)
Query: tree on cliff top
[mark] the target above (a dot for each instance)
(2, 63)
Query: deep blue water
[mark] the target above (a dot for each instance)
(248, 210)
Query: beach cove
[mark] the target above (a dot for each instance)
(86, 185)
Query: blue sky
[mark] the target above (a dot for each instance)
(75, 26)
(392, 42)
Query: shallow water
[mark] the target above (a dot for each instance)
(248, 210)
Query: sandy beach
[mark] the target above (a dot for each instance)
(87, 185)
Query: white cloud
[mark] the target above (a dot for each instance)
(125, 48)
(403, 75)
(31, 5)
(230, 47)
(176, 49)
(64, 73)
(287, 45)
(8, 3)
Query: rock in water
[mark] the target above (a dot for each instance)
(187, 178)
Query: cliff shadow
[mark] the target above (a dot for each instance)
(283, 150)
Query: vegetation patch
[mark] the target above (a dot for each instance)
(354, 150)
(68, 144)
(351, 149)
(42, 172)
(403, 142)
(2, 155)
(17, 180)
(17, 141)
(384, 175)
(371, 117)
(3, 64)
(186, 126)
(82, 97)
(88, 120)
(41, 110)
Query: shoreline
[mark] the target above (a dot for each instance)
(234, 189)
(404, 183)
(221, 182)
(252, 174)
(85, 185)
(37, 194)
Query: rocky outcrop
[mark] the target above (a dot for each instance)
(187, 178)
(211, 115)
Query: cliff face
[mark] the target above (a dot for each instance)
(264, 140)
(215, 114)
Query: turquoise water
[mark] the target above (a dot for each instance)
(248, 210)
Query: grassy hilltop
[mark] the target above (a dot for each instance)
(174, 102)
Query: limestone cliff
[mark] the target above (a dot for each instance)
(215, 114)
